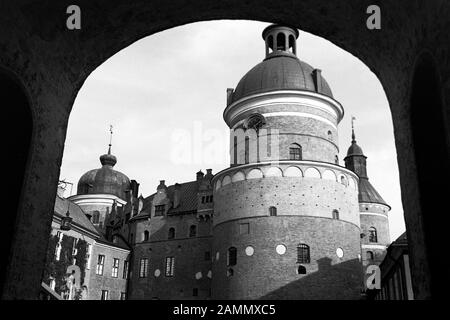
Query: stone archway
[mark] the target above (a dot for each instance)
(53, 62)
(433, 169)
(16, 149)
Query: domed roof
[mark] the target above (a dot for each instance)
(354, 150)
(104, 180)
(280, 72)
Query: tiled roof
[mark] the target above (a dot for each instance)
(188, 199)
(76, 213)
(402, 239)
(367, 193)
(120, 245)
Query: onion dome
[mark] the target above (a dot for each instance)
(105, 180)
(281, 69)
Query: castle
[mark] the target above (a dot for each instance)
(284, 221)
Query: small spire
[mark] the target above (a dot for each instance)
(353, 130)
(110, 138)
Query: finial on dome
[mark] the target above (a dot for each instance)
(108, 159)
(353, 130)
(110, 138)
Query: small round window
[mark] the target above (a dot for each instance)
(281, 249)
(249, 251)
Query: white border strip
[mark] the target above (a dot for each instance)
(373, 214)
(374, 246)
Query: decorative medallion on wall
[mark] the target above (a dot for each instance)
(254, 121)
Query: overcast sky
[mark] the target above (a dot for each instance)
(174, 83)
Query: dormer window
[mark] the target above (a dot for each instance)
(207, 199)
(159, 210)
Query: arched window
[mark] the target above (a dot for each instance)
(270, 43)
(295, 152)
(292, 44)
(336, 159)
(145, 235)
(301, 270)
(330, 135)
(96, 217)
(171, 233)
(335, 214)
(272, 211)
(369, 255)
(303, 253)
(247, 149)
(373, 235)
(281, 41)
(192, 231)
(232, 256)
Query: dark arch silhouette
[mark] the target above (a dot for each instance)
(387, 54)
(16, 150)
(430, 151)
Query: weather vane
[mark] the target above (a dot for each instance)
(111, 133)
(353, 128)
(110, 138)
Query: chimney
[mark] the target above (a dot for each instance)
(134, 188)
(229, 95)
(176, 195)
(200, 175)
(317, 79)
(209, 174)
(162, 185)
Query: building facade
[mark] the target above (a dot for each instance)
(396, 280)
(284, 221)
(84, 261)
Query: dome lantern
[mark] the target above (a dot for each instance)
(280, 40)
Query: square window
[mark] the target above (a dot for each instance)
(244, 228)
(207, 255)
(159, 210)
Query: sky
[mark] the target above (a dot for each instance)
(167, 92)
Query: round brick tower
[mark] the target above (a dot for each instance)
(373, 209)
(286, 216)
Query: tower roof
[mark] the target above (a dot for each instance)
(104, 180)
(281, 69)
(368, 194)
(356, 161)
(354, 149)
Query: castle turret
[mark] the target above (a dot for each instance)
(373, 209)
(286, 217)
(101, 189)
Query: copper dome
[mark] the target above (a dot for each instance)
(104, 180)
(280, 72)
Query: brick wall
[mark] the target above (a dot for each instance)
(266, 274)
